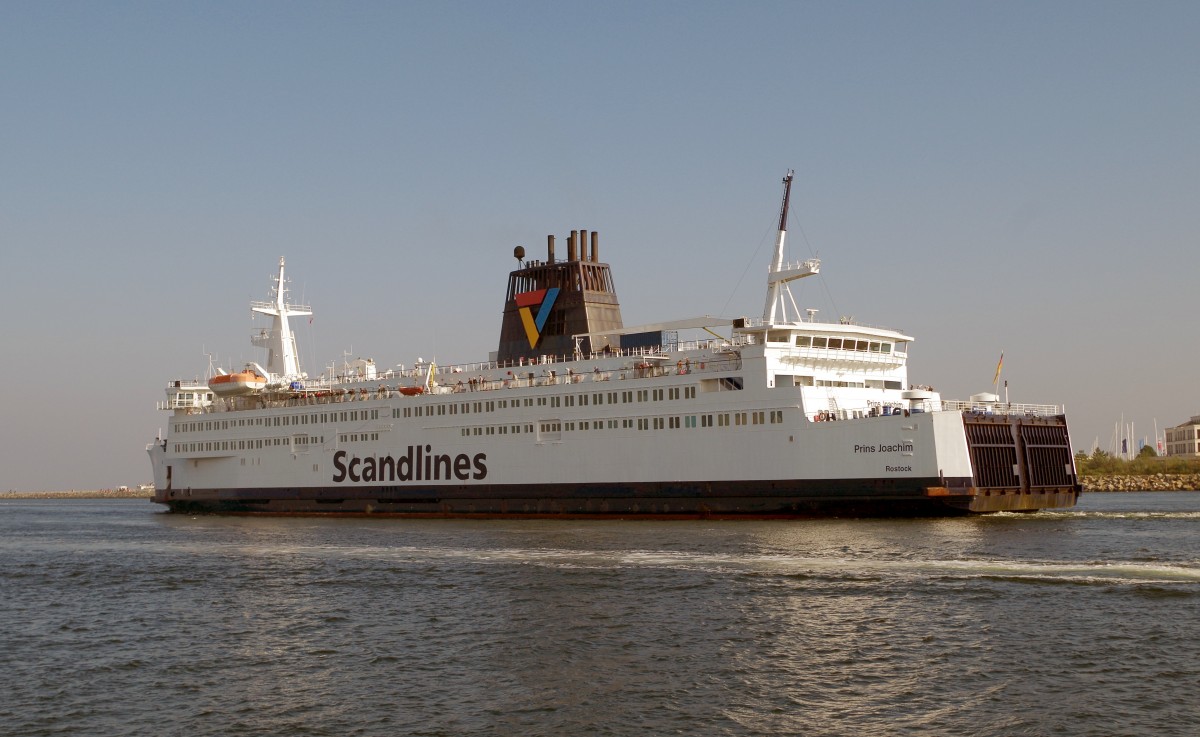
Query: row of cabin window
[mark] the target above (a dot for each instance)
(254, 444)
(734, 419)
(583, 400)
(356, 437)
(496, 430)
(844, 344)
(869, 384)
(570, 400)
(729, 419)
(281, 420)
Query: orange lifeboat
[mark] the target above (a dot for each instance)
(412, 391)
(232, 385)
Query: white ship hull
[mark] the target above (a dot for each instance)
(701, 449)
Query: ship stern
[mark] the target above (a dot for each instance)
(1019, 463)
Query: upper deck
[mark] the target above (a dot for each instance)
(702, 362)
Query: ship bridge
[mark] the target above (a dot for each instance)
(844, 345)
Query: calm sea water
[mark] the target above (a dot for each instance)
(118, 619)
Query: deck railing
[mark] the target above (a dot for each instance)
(1003, 408)
(460, 379)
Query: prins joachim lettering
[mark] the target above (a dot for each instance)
(418, 464)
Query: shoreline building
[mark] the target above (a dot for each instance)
(1184, 440)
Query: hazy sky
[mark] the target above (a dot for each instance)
(1004, 176)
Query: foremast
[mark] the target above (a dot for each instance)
(779, 296)
(283, 365)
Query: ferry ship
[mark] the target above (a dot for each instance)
(576, 415)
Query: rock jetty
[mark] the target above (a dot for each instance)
(133, 493)
(1149, 482)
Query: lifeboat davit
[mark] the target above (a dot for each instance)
(232, 385)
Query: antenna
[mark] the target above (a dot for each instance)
(282, 362)
(787, 195)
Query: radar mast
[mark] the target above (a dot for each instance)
(779, 296)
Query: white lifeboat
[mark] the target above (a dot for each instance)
(232, 385)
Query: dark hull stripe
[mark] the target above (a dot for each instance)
(676, 500)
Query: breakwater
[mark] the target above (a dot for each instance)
(1146, 482)
(80, 494)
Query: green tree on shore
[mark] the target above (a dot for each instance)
(1148, 462)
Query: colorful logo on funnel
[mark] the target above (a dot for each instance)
(541, 300)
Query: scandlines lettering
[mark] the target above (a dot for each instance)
(417, 464)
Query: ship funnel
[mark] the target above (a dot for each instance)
(562, 307)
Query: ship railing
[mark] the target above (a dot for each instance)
(641, 363)
(321, 393)
(840, 410)
(840, 355)
(183, 404)
(715, 345)
(531, 376)
(1002, 408)
(907, 407)
(188, 384)
(263, 305)
(443, 371)
(758, 322)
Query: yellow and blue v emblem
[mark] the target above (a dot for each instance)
(543, 300)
